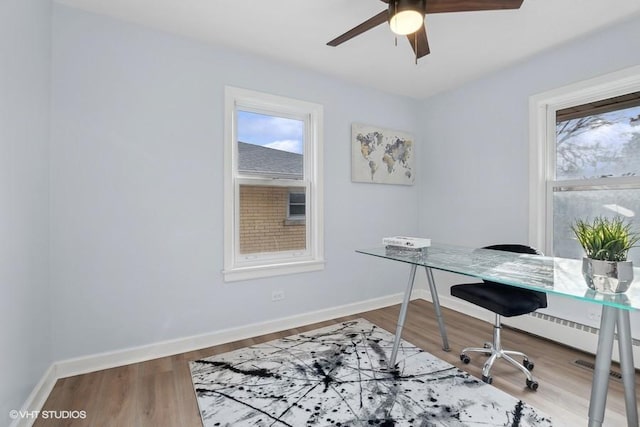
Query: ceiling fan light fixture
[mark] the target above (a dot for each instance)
(406, 16)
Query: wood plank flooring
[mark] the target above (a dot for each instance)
(159, 392)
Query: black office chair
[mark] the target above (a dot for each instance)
(507, 301)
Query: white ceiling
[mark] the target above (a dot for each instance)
(463, 46)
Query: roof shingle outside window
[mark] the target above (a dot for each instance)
(265, 161)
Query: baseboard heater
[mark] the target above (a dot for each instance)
(576, 325)
(574, 334)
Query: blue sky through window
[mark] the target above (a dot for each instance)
(271, 131)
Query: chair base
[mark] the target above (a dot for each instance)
(495, 351)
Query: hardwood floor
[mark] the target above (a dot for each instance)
(159, 392)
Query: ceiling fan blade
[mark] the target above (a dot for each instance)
(419, 42)
(443, 6)
(365, 26)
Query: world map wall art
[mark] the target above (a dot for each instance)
(381, 156)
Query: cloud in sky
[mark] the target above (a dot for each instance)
(271, 131)
(291, 145)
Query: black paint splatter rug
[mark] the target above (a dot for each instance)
(338, 376)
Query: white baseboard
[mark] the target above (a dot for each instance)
(112, 359)
(95, 362)
(36, 399)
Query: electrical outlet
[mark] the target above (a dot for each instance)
(277, 295)
(594, 315)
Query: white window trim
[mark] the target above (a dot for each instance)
(284, 263)
(542, 111)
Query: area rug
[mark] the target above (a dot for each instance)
(338, 376)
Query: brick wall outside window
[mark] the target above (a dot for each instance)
(263, 221)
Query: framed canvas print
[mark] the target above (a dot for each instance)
(381, 156)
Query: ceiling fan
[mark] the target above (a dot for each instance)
(406, 17)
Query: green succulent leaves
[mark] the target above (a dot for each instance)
(605, 239)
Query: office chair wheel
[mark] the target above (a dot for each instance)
(532, 385)
(465, 359)
(527, 364)
(489, 380)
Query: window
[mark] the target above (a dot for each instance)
(586, 159)
(273, 185)
(297, 203)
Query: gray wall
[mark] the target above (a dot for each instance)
(137, 189)
(24, 127)
(474, 190)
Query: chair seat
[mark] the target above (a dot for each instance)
(504, 300)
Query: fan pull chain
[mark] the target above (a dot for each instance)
(396, 41)
(415, 38)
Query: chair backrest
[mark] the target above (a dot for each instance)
(512, 247)
(521, 249)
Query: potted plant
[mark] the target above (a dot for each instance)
(606, 242)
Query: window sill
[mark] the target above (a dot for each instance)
(270, 270)
(291, 221)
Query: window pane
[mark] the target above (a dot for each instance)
(263, 226)
(296, 210)
(571, 205)
(599, 145)
(270, 146)
(297, 198)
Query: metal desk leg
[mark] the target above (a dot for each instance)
(626, 366)
(436, 306)
(403, 315)
(600, 383)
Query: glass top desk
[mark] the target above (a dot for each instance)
(551, 275)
